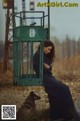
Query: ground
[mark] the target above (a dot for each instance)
(16, 95)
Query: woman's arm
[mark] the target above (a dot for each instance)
(46, 66)
(47, 63)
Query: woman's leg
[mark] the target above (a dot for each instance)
(58, 109)
(60, 98)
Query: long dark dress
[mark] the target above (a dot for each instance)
(59, 95)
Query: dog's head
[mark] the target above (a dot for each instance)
(34, 96)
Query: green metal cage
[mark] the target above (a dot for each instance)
(22, 37)
(25, 38)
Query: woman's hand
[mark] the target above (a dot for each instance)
(46, 66)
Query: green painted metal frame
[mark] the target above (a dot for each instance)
(20, 36)
(26, 79)
(19, 77)
(22, 33)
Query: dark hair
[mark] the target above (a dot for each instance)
(51, 55)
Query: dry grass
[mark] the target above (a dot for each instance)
(68, 69)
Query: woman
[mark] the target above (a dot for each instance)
(60, 99)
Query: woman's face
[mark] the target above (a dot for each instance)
(47, 50)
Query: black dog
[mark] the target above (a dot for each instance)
(28, 106)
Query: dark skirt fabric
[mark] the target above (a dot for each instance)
(60, 99)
